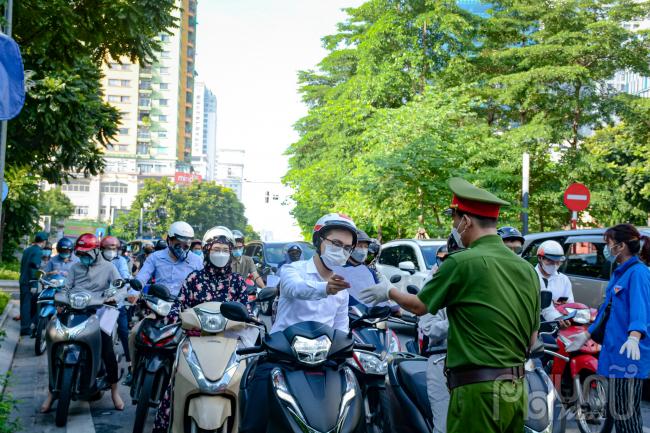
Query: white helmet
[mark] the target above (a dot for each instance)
(216, 232)
(551, 250)
(333, 221)
(181, 231)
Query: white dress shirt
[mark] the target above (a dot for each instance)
(560, 286)
(303, 297)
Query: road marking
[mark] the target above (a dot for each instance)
(80, 419)
(580, 197)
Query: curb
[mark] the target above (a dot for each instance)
(10, 343)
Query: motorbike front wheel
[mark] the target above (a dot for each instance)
(379, 405)
(591, 407)
(61, 417)
(142, 410)
(39, 342)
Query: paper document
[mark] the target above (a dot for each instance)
(108, 319)
(359, 278)
(272, 281)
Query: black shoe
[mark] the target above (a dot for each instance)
(128, 380)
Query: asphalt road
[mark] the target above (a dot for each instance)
(29, 386)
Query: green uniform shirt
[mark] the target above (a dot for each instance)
(493, 305)
(30, 263)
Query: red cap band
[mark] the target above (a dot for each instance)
(488, 210)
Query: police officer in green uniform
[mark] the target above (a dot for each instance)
(493, 306)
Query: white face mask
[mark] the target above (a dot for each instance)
(110, 255)
(219, 259)
(334, 256)
(458, 235)
(550, 269)
(359, 255)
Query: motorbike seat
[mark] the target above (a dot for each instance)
(413, 375)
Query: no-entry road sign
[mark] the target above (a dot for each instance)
(577, 197)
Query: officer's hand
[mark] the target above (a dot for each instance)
(377, 293)
(335, 284)
(564, 323)
(631, 348)
(578, 341)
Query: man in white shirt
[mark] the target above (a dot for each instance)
(550, 256)
(309, 291)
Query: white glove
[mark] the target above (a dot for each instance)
(377, 293)
(578, 341)
(631, 348)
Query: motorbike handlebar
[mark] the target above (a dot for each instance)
(250, 350)
(366, 347)
(557, 355)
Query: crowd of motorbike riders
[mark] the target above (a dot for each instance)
(170, 278)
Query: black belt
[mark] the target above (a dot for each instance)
(456, 378)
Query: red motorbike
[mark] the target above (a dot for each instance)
(574, 373)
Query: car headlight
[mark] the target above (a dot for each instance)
(79, 300)
(160, 307)
(312, 352)
(583, 315)
(211, 322)
(371, 363)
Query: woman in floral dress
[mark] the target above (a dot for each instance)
(217, 283)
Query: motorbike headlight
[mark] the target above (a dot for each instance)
(160, 307)
(582, 317)
(371, 362)
(211, 322)
(79, 300)
(311, 351)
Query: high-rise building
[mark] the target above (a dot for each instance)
(229, 170)
(204, 131)
(155, 129)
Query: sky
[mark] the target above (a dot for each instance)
(248, 54)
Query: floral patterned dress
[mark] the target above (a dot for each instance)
(211, 284)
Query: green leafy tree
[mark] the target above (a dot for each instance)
(55, 204)
(201, 204)
(19, 210)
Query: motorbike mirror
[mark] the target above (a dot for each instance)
(274, 269)
(267, 294)
(160, 291)
(377, 312)
(546, 298)
(395, 278)
(118, 283)
(235, 311)
(39, 274)
(413, 290)
(135, 284)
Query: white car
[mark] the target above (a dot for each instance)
(412, 259)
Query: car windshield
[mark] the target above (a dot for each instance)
(275, 253)
(429, 254)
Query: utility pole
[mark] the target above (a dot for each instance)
(9, 6)
(525, 175)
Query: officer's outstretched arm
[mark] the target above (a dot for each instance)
(407, 301)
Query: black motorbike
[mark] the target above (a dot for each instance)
(156, 344)
(370, 367)
(74, 348)
(313, 389)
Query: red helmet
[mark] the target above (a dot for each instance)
(86, 242)
(110, 241)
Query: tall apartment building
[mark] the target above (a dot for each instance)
(229, 169)
(204, 131)
(156, 124)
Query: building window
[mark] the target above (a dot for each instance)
(229, 171)
(145, 85)
(119, 83)
(76, 186)
(188, 95)
(125, 99)
(142, 149)
(144, 133)
(123, 131)
(164, 70)
(162, 118)
(144, 102)
(115, 188)
(163, 102)
(117, 99)
(81, 211)
(146, 70)
(165, 54)
(118, 66)
(162, 134)
(164, 37)
(188, 112)
(164, 86)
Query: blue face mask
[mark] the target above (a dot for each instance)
(64, 256)
(47, 253)
(198, 253)
(608, 254)
(237, 252)
(86, 260)
(178, 251)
